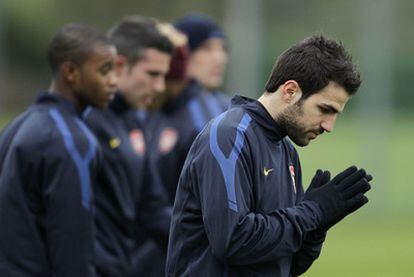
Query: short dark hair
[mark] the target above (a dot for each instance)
(313, 63)
(134, 34)
(73, 42)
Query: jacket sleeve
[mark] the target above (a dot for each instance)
(312, 243)
(68, 212)
(154, 212)
(238, 234)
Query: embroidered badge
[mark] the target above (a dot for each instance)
(138, 141)
(168, 139)
(114, 143)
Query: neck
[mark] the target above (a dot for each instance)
(59, 88)
(272, 103)
(176, 87)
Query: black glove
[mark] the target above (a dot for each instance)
(319, 179)
(341, 196)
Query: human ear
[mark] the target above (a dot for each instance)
(70, 71)
(291, 91)
(121, 63)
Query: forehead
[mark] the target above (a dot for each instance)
(333, 94)
(102, 52)
(154, 57)
(212, 43)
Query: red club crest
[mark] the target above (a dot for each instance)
(168, 139)
(138, 141)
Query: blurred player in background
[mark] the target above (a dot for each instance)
(162, 136)
(208, 55)
(131, 205)
(191, 98)
(49, 159)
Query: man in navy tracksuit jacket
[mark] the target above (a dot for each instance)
(49, 160)
(187, 105)
(208, 53)
(240, 208)
(185, 115)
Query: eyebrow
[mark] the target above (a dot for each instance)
(156, 72)
(332, 109)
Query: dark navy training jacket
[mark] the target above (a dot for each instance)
(131, 205)
(238, 209)
(48, 160)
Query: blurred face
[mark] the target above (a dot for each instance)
(208, 63)
(306, 119)
(145, 80)
(96, 81)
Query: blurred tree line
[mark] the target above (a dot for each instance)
(26, 27)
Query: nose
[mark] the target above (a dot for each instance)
(113, 80)
(219, 56)
(159, 84)
(328, 123)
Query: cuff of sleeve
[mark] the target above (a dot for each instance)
(308, 215)
(315, 237)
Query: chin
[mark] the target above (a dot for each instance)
(300, 142)
(213, 84)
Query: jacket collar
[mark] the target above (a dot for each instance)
(49, 97)
(192, 89)
(259, 113)
(118, 104)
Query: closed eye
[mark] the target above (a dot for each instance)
(104, 69)
(155, 73)
(328, 109)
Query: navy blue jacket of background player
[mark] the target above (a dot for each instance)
(238, 208)
(47, 162)
(176, 126)
(128, 194)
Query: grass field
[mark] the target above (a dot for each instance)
(379, 239)
(369, 247)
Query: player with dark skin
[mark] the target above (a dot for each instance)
(49, 159)
(91, 83)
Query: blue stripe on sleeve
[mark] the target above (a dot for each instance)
(82, 163)
(197, 115)
(228, 165)
(91, 139)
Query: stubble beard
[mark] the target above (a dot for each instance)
(288, 120)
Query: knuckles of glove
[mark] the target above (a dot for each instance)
(340, 196)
